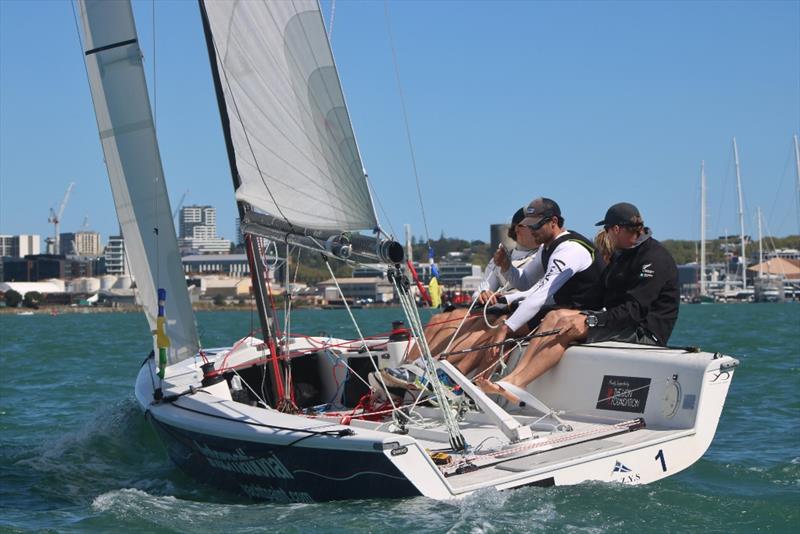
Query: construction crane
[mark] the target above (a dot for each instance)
(55, 219)
(180, 204)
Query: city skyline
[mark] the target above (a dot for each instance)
(587, 103)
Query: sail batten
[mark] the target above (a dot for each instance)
(127, 134)
(296, 153)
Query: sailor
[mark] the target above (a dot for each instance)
(472, 332)
(442, 327)
(566, 275)
(640, 303)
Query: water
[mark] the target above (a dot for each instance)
(77, 456)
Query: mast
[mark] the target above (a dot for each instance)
(760, 248)
(257, 270)
(743, 259)
(797, 167)
(702, 228)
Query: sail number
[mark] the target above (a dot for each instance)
(660, 456)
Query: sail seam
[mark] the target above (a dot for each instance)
(337, 162)
(110, 46)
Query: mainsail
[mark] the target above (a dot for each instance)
(295, 151)
(127, 133)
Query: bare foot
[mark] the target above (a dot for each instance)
(494, 389)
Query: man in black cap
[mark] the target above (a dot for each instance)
(640, 303)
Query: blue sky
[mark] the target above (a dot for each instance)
(588, 103)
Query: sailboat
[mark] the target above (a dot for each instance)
(266, 417)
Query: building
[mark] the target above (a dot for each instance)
(82, 243)
(358, 290)
(239, 234)
(34, 267)
(116, 262)
(19, 246)
(450, 273)
(235, 265)
(198, 231)
(197, 216)
(778, 266)
(370, 270)
(228, 264)
(224, 286)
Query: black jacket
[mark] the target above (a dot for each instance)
(641, 289)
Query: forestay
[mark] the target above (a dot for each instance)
(127, 133)
(295, 150)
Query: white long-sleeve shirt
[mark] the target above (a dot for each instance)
(538, 285)
(493, 279)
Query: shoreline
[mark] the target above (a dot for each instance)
(60, 309)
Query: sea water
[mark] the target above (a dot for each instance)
(76, 454)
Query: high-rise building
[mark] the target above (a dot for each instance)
(115, 256)
(239, 234)
(198, 231)
(82, 243)
(19, 246)
(198, 222)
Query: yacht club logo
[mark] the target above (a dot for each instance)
(624, 474)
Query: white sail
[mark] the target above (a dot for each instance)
(124, 119)
(295, 150)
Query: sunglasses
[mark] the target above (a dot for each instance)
(541, 223)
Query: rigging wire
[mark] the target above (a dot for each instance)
(360, 335)
(405, 118)
(789, 158)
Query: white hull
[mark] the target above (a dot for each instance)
(319, 458)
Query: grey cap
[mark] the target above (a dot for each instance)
(541, 208)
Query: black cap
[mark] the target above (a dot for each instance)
(515, 220)
(622, 214)
(518, 216)
(539, 209)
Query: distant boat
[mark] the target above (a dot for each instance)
(290, 417)
(25, 313)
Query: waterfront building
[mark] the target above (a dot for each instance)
(450, 273)
(228, 264)
(370, 270)
(33, 267)
(115, 258)
(358, 289)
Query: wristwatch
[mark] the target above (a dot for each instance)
(591, 319)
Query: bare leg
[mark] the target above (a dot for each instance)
(470, 360)
(546, 352)
(438, 332)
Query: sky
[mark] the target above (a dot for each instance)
(587, 103)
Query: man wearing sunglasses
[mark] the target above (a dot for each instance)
(640, 303)
(566, 277)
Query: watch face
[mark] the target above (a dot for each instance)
(591, 321)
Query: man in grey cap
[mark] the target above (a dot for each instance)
(640, 303)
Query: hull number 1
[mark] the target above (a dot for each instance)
(660, 456)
